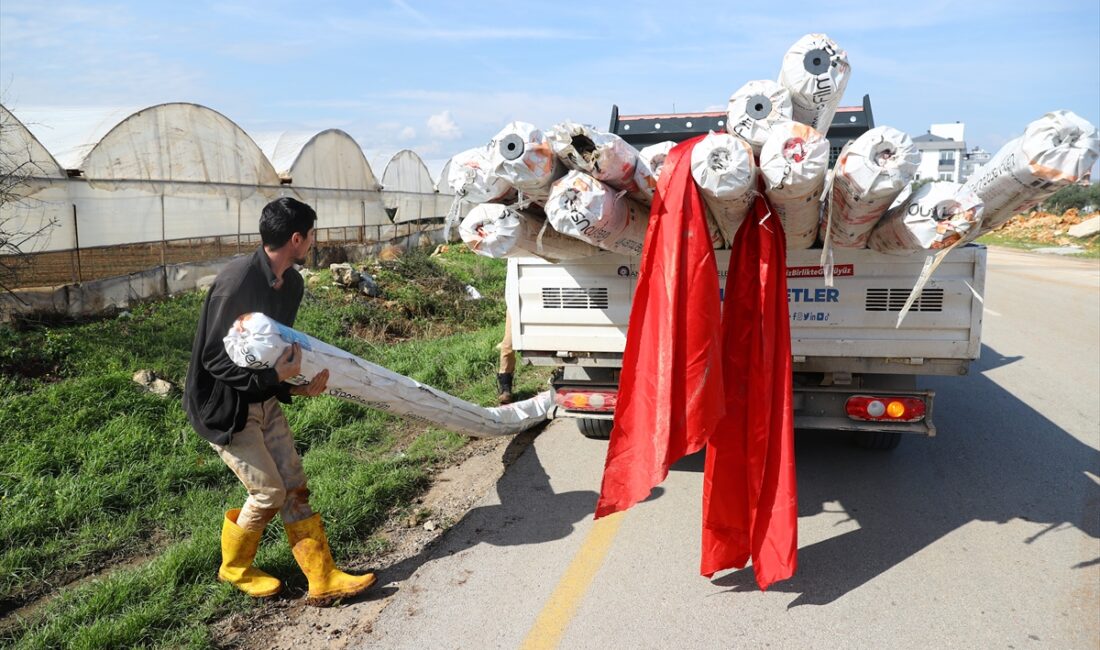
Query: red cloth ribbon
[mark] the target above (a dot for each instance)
(670, 390)
(679, 391)
(750, 504)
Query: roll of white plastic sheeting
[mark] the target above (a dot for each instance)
(471, 176)
(256, 341)
(794, 162)
(1057, 149)
(755, 108)
(497, 231)
(869, 174)
(724, 169)
(815, 71)
(521, 155)
(583, 207)
(936, 216)
(654, 155)
(603, 156)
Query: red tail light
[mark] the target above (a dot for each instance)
(885, 409)
(582, 399)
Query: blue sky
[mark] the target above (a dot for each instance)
(441, 77)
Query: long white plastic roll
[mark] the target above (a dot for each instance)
(583, 207)
(498, 231)
(471, 177)
(815, 71)
(521, 155)
(723, 168)
(934, 217)
(794, 162)
(654, 155)
(755, 108)
(869, 174)
(603, 156)
(256, 341)
(1057, 149)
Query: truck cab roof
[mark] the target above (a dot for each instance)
(848, 123)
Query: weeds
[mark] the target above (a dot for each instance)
(111, 506)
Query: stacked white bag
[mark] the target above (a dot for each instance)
(938, 215)
(794, 162)
(724, 170)
(755, 109)
(815, 72)
(583, 207)
(1055, 150)
(497, 231)
(869, 174)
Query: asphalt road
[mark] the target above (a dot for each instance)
(987, 536)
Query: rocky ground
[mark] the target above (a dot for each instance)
(1038, 229)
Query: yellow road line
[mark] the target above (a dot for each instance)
(556, 614)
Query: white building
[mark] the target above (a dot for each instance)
(974, 159)
(942, 151)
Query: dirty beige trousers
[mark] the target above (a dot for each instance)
(263, 457)
(507, 354)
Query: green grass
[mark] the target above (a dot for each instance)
(111, 506)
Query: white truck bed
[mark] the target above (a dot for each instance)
(577, 312)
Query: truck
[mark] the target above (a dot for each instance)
(853, 368)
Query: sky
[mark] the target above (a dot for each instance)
(441, 77)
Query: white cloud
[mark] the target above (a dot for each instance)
(442, 126)
(407, 133)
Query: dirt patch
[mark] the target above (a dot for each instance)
(1044, 227)
(287, 622)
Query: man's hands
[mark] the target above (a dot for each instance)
(315, 387)
(289, 364)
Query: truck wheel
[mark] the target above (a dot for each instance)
(595, 429)
(878, 440)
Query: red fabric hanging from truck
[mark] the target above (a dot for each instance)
(750, 505)
(670, 390)
(693, 373)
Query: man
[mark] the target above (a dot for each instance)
(507, 368)
(237, 410)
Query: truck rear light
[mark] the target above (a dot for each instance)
(580, 399)
(885, 409)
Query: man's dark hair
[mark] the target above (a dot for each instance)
(282, 218)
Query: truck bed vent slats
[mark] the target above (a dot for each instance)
(574, 298)
(894, 299)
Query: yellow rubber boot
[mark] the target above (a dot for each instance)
(311, 550)
(238, 550)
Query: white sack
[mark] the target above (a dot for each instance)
(936, 216)
(256, 341)
(1057, 149)
(581, 206)
(723, 168)
(522, 156)
(471, 178)
(603, 156)
(497, 231)
(654, 155)
(869, 174)
(794, 162)
(815, 71)
(755, 108)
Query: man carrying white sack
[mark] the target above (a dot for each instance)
(237, 410)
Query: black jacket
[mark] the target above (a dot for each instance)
(218, 391)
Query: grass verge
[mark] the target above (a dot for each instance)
(111, 506)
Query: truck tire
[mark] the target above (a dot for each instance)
(594, 428)
(878, 440)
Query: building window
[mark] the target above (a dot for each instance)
(947, 177)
